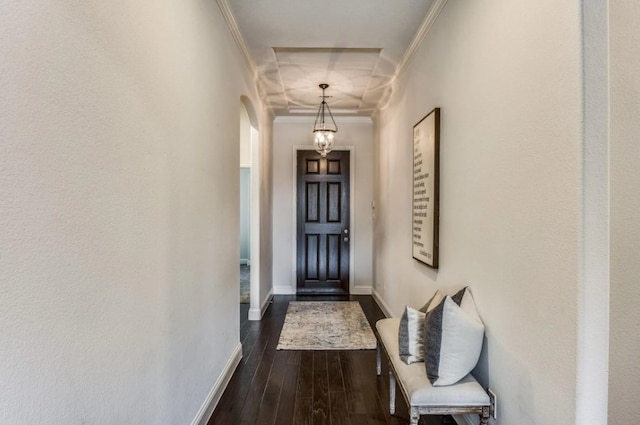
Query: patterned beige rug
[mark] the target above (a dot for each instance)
(326, 325)
(245, 284)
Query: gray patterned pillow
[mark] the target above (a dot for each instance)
(453, 335)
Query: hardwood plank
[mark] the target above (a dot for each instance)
(339, 410)
(321, 402)
(271, 397)
(302, 412)
(364, 369)
(336, 382)
(286, 407)
(258, 384)
(305, 378)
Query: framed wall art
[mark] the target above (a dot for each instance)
(426, 193)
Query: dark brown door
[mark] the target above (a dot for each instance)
(323, 232)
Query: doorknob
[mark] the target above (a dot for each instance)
(346, 239)
(346, 230)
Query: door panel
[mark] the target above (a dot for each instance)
(323, 233)
(313, 202)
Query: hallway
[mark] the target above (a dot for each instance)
(120, 149)
(306, 387)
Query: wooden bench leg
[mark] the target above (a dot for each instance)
(379, 359)
(484, 416)
(392, 391)
(415, 416)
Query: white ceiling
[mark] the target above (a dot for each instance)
(355, 46)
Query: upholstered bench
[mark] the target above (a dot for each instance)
(465, 396)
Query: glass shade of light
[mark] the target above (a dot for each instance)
(323, 141)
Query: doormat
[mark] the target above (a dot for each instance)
(326, 325)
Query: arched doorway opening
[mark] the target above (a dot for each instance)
(250, 207)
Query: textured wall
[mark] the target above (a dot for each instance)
(624, 379)
(508, 77)
(290, 132)
(118, 209)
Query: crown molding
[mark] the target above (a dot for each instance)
(311, 119)
(418, 38)
(237, 36)
(420, 35)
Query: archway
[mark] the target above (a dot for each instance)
(250, 170)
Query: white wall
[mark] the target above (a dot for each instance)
(245, 137)
(508, 77)
(118, 210)
(289, 132)
(624, 379)
(263, 181)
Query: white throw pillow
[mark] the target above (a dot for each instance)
(411, 335)
(411, 331)
(453, 335)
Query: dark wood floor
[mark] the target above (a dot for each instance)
(272, 387)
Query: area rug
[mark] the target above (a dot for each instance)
(326, 325)
(245, 281)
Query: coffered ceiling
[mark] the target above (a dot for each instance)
(355, 46)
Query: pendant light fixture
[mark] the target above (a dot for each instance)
(325, 128)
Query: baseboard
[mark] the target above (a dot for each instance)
(284, 290)
(361, 290)
(466, 419)
(383, 306)
(255, 314)
(209, 405)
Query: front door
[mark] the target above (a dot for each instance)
(323, 232)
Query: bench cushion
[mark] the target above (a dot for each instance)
(413, 377)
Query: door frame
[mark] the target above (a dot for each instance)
(256, 306)
(352, 221)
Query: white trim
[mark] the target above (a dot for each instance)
(352, 218)
(420, 35)
(592, 371)
(254, 226)
(256, 314)
(360, 290)
(313, 110)
(237, 36)
(311, 118)
(418, 38)
(383, 305)
(466, 419)
(284, 290)
(210, 403)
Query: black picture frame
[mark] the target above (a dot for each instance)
(426, 189)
